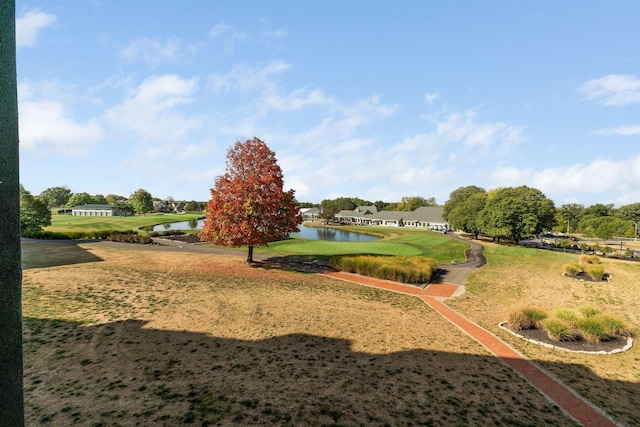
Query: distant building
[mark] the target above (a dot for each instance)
(310, 213)
(93, 210)
(423, 217)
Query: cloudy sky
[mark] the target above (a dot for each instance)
(372, 99)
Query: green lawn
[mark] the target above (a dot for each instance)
(404, 243)
(69, 223)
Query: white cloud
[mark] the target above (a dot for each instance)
(245, 79)
(598, 177)
(45, 121)
(220, 29)
(155, 51)
(464, 128)
(277, 34)
(29, 26)
(614, 89)
(431, 97)
(151, 111)
(620, 130)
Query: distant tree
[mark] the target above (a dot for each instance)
(306, 204)
(99, 199)
(141, 201)
(459, 195)
(379, 204)
(466, 213)
(599, 210)
(123, 207)
(112, 199)
(248, 205)
(79, 199)
(570, 215)
(192, 206)
(360, 202)
(629, 212)
(410, 204)
(606, 227)
(55, 196)
(34, 213)
(517, 212)
(330, 207)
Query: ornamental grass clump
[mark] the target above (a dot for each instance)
(589, 311)
(596, 272)
(573, 269)
(399, 269)
(560, 330)
(566, 315)
(590, 259)
(593, 329)
(526, 318)
(615, 326)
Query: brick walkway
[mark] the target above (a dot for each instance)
(572, 404)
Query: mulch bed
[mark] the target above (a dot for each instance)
(584, 277)
(581, 345)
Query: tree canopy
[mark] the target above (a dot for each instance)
(410, 204)
(248, 205)
(34, 213)
(141, 201)
(517, 212)
(79, 199)
(55, 196)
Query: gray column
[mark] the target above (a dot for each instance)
(11, 371)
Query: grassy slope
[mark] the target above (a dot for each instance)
(518, 277)
(138, 337)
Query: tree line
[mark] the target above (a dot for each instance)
(521, 212)
(35, 211)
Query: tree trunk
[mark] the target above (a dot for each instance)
(250, 255)
(11, 371)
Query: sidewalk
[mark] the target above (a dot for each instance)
(572, 404)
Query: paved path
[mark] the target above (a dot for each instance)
(572, 404)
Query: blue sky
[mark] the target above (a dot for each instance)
(369, 99)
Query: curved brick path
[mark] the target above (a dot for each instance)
(572, 404)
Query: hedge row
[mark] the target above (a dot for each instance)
(128, 236)
(399, 269)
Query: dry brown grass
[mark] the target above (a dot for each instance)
(139, 337)
(529, 277)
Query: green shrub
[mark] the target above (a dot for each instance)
(526, 318)
(129, 238)
(566, 315)
(596, 272)
(572, 269)
(559, 330)
(593, 329)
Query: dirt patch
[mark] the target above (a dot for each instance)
(149, 337)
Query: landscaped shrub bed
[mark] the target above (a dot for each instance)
(566, 325)
(589, 264)
(526, 318)
(414, 269)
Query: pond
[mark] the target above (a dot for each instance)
(311, 233)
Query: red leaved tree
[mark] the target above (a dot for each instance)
(248, 205)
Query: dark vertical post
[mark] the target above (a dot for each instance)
(11, 386)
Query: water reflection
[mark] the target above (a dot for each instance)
(311, 233)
